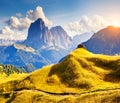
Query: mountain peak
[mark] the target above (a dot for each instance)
(58, 27)
(105, 41)
(40, 36)
(35, 33)
(39, 22)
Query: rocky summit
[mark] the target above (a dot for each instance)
(40, 36)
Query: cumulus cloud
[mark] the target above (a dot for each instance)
(38, 13)
(16, 27)
(24, 23)
(6, 30)
(86, 24)
(7, 34)
(18, 23)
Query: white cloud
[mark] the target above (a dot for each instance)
(13, 22)
(18, 14)
(86, 24)
(16, 27)
(25, 23)
(31, 16)
(6, 30)
(7, 34)
(38, 13)
(18, 23)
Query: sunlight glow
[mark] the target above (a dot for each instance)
(116, 23)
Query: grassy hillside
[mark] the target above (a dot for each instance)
(81, 77)
(8, 72)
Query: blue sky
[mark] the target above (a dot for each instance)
(62, 10)
(76, 16)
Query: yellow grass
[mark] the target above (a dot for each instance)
(81, 72)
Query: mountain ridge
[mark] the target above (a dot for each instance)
(105, 41)
(43, 46)
(39, 35)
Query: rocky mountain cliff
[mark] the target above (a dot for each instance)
(40, 36)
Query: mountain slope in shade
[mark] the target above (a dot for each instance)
(105, 41)
(81, 77)
(60, 38)
(22, 56)
(36, 33)
(40, 36)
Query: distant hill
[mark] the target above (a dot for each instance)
(10, 69)
(81, 77)
(105, 41)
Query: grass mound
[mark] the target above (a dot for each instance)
(83, 69)
(80, 72)
(71, 73)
